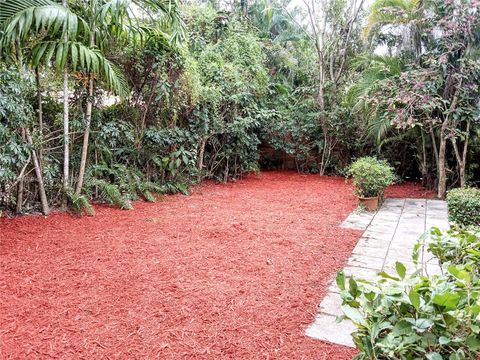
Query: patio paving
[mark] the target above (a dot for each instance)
(389, 236)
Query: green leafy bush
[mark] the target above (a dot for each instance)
(457, 247)
(464, 206)
(420, 317)
(370, 176)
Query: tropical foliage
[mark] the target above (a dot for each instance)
(114, 100)
(464, 206)
(400, 316)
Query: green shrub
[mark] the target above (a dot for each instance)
(420, 317)
(456, 247)
(464, 206)
(370, 176)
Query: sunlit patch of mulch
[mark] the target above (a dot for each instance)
(234, 271)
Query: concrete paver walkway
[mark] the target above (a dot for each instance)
(390, 235)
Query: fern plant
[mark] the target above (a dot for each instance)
(80, 203)
(111, 194)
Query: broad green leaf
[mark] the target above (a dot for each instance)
(434, 356)
(414, 299)
(352, 287)
(391, 290)
(443, 340)
(340, 280)
(401, 270)
(423, 324)
(385, 275)
(448, 300)
(402, 328)
(354, 314)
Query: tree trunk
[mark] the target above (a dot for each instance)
(434, 145)
(86, 136)
(442, 166)
(201, 153)
(38, 172)
(462, 159)
(39, 112)
(424, 166)
(244, 7)
(18, 208)
(66, 131)
(88, 119)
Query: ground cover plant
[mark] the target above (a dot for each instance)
(420, 316)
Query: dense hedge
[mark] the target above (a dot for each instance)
(464, 206)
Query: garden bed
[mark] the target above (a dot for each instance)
(233, 271)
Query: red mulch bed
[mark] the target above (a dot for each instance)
(233, 271)
(409, 190)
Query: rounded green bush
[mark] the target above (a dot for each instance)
(370, 176)
(464, 206)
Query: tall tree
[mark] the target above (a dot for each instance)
(333, 26)
(438, 90)
(114, 19)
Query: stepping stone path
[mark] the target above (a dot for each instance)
(389, 236)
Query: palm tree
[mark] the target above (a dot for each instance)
(376, 70)
(114, 19)
(55, 25)
(62, 36)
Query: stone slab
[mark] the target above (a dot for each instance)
(326, 328)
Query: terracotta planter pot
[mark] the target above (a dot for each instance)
(370, 203)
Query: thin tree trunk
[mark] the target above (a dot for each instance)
(21, 186)
(86, 136)
(434, 144)
(66, 135)
(38, 172)
(200, 157)
(39, 113)
(442, 166)
(88, 119)
(424, 166)
(462, 159)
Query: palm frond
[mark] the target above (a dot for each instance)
(383, 12)
(375, 69)
(167, 16)
(112, 194)
(21, 18)
(83, 58)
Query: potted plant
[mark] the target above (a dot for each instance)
(370, 178)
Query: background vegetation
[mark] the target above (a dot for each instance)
(111, 100)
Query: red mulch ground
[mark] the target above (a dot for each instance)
(232, 271)
(409, 190)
